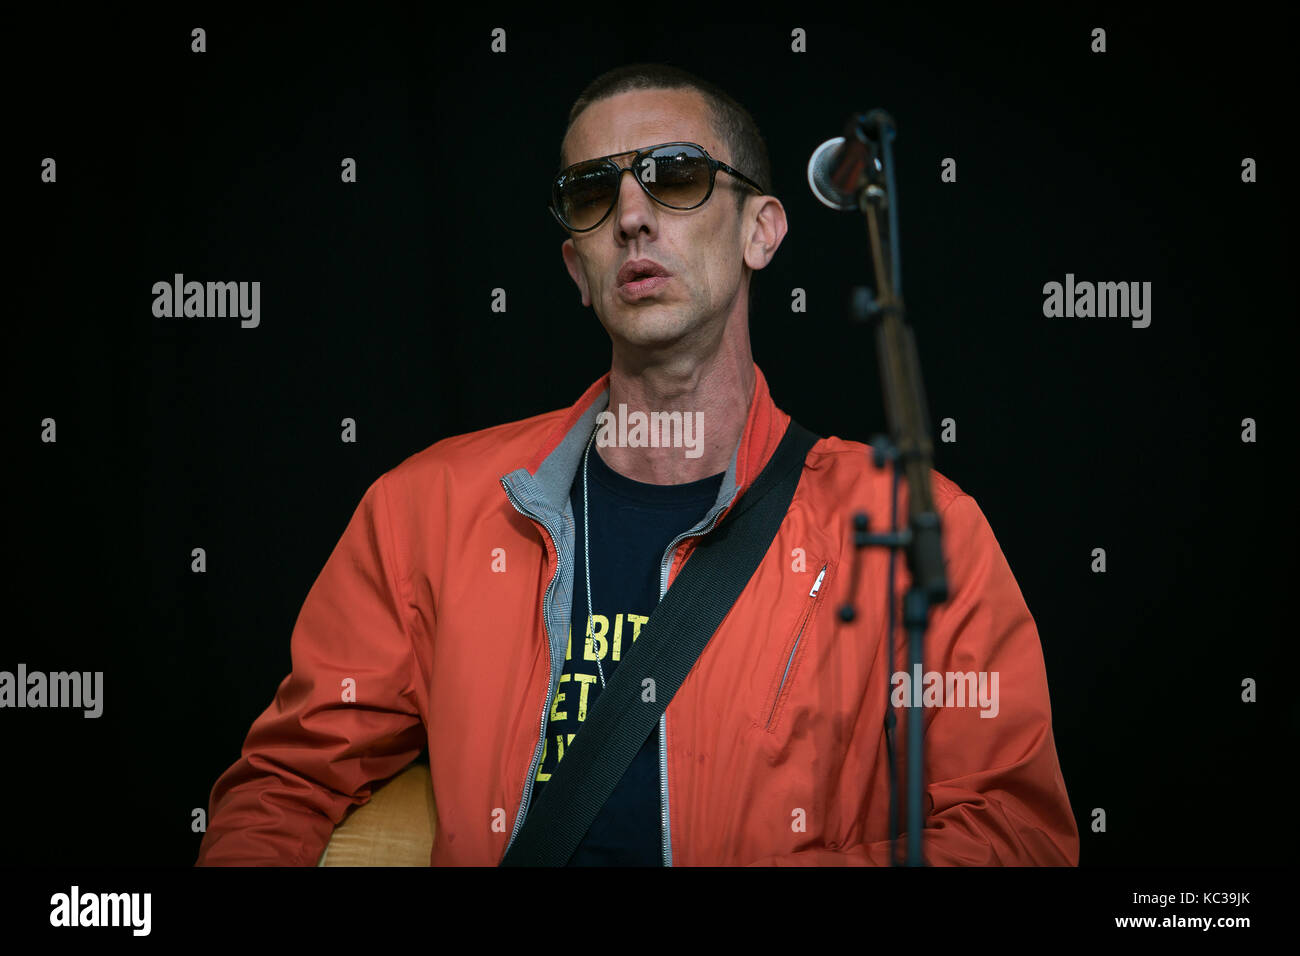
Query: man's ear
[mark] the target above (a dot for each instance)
(574, 265)
(767, 229)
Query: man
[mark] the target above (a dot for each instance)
(451, 603)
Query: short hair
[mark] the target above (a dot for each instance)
(731, 121)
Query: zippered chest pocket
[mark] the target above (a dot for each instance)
(794, 650)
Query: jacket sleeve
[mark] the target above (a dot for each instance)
(994, 790)
(345, 717)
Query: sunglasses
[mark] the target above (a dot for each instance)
(676, 175)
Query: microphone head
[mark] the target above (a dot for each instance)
(820, 168)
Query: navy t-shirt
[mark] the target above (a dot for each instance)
(631, 525)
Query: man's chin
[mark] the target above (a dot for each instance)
(647, 327)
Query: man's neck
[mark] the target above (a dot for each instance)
(712, 398)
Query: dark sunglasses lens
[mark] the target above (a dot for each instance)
(678, 176)
(584, 194)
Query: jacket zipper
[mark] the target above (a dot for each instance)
(546, 620)
(798, 637)
(665, 824)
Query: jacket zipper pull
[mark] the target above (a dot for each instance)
(818, 582)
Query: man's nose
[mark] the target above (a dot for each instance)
(632, 198)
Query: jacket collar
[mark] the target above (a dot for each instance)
(544, 482)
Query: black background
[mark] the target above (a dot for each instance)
(1072, 433)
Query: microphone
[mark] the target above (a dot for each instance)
(838, 168)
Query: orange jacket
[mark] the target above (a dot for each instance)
(445, 608)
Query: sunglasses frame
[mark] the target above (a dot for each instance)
(637, 155)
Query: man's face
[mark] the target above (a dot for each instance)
(703, 249)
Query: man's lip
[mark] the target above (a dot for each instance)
(636, 270)
(642, 288)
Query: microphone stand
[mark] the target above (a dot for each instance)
(908, 447)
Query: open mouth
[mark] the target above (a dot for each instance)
(643, 287)
(639, 278)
